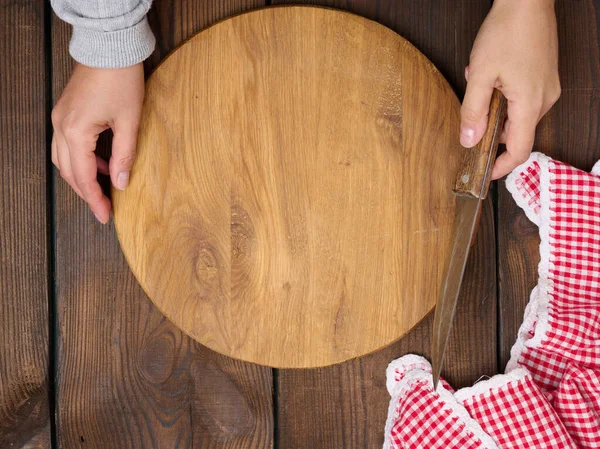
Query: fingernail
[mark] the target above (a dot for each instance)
(466, 136)
(99, 219)
(122, 180)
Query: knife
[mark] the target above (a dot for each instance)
(471, 187)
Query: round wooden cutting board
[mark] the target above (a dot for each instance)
(291, 203)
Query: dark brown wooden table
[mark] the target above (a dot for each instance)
(86, 360)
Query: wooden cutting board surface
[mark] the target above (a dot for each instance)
(291, 203)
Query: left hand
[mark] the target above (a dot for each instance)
(93, 101)
(516, 51)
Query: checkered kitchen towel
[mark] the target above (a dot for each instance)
(549, 396)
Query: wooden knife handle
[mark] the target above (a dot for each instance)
(476, 171)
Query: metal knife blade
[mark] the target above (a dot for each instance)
(468, 211)
(471, 188)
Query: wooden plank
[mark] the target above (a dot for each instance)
(569, 133)
(348, 402)
(24, 396)
(127, 377)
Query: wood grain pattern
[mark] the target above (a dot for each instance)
(24, 405)
(124, 390)
(127, 377)
(348, 402)
(346, 405)
(570, 132)
(475, 176)
(281, 197)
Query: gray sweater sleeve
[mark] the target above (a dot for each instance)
(107, 33)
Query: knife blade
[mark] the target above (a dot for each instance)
(471, 187)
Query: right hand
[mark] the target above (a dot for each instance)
(516, 51)
(93, 101)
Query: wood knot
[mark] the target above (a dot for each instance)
(231, 415)
(157, 357)
(242, 235)
(206, 266)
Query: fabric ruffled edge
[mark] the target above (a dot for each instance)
(486, 387)
(417, 369)
(537, 312)
(596, 169)
(538, 309)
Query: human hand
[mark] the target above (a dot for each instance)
(93, 101)
(516, 51)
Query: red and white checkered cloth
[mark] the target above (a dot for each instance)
(549, 396)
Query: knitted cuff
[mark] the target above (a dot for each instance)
(114, 49)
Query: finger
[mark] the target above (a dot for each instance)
(475, 108)
(54, 152)
(102, 166)
(522, 118)
(64, 162)
(83, 164)
(504, 133)
(505, 163)
(123, 153)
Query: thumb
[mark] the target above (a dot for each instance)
(123, 153)
(475, 108)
